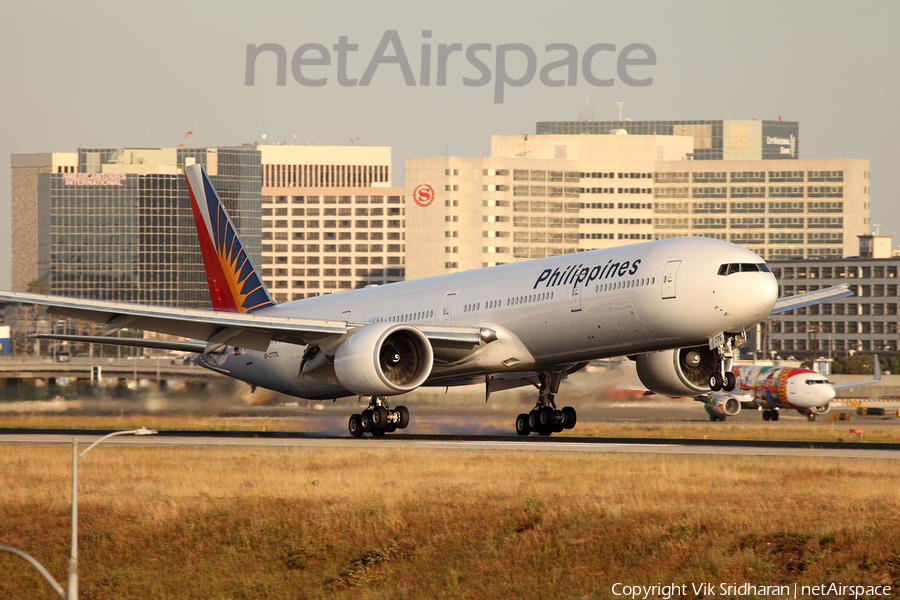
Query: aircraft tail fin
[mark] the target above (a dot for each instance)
(234, 283)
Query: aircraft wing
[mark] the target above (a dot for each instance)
(876, 377)
(215, 328)
(178, 345)
(809, 298)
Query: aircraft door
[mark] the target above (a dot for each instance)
(575, 299)
(668, 278)
(447, 310)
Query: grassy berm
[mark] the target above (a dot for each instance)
(238, 523)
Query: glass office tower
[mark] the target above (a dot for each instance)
(121, 228)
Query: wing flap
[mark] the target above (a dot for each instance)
(179, 345)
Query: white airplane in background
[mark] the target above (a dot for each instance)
(679, 306)
(773, 388)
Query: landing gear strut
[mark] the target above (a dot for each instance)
(544, 418)
(722, 378)
(378, 418)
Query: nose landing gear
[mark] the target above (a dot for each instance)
(722, 378)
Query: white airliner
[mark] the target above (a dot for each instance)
(679, 306)
(773, 388)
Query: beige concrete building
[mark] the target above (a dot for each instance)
(30, 258)
(330, 220)
(779, 209)
(549, 194)
(535, 196)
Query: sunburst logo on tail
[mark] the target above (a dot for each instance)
(234, 284)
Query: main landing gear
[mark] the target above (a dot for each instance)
(770, 415)
(378, 419)
(544, 418)
(722, 378)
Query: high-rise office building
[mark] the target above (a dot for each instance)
(866, 322)
(117, 224)
(540, 195)
(535, 196)
(330, 220)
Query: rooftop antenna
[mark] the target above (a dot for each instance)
(620, 105)
(585, 113)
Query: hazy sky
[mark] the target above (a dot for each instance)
(115, 74)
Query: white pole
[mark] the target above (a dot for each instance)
(72, 571)
(72, 582)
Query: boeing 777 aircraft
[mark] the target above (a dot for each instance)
(773, 388)
(668, 302)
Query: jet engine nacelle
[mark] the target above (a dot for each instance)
(683, 372)
(383, 359)
(724, 406)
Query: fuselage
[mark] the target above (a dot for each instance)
(783, 387)
(549, 312)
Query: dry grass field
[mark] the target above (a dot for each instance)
(241, 523)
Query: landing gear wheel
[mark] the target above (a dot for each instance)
(404, 417)
(390, 428)
(378, 433)
(533, 423)
(774, 415)
(379, 418)
(730, 382)
(716, 381)
(355, 426)
(522, 427)
(767, 415)
(365, 420)
(547, 417)
(811, 417)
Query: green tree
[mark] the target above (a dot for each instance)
(858, 364)
(37, 287)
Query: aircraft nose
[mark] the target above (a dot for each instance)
(762, 290)
(828, 393)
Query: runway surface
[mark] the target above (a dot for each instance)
(478, 443)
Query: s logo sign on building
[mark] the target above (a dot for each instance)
(423, 195)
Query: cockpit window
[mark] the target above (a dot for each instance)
(729, 268)
(815, 381)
